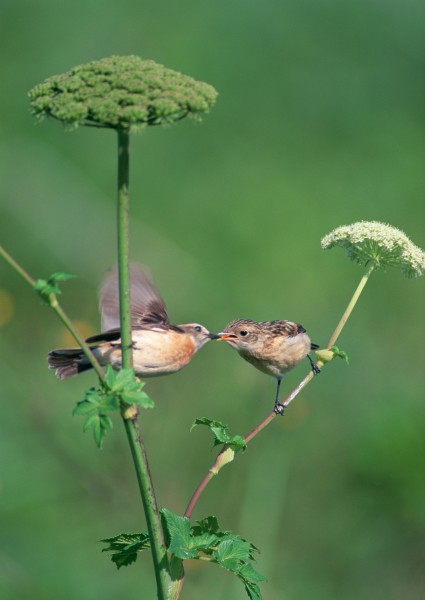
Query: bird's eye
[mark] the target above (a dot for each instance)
(198, 328)
(243, 333)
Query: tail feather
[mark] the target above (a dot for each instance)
(68, 362)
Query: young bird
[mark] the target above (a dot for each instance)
(159, 348)
(273, 347)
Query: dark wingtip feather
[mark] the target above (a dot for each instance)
(67, 362)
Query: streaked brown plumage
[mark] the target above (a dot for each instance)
(159, 348)
(273, 347)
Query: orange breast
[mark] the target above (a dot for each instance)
(161, 352)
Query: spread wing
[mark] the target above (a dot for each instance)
(147, 306)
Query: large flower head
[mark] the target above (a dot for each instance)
(382, 245)
(121, 92)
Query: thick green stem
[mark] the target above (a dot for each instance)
(129, 413)
(123, 247)
(159, 550)
(177, 577)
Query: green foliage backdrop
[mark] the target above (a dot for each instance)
(318, 124)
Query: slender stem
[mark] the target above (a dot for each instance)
(192, 502)
(54, 304)
(271, 416)
(12, 262)
(129, 413)
(123, 247)
(350, 306)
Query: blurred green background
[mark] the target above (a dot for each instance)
(318, 124)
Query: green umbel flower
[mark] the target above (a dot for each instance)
(121, 92)
(383, 245)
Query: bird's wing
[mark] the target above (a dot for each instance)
(147, 306)
(107, 336)
(285, 328)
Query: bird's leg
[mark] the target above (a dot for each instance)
(279, 409)
(314, 367)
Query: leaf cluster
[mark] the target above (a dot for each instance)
(46, 287)
(340, 353)
(204, 541)
(117, 389)
(219, 431)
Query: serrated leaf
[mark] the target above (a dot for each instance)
(340, 353)
(247, 571)
(208, 423)
(46, 288)
(252, 589)
(94, 397)
(178, 528)
(219, 430)
(60, 276)
(139, 398)
(105, 423)
(83, 408)
(100, 424)
(207, 525)
(125, 547)
(91, 421)
(110, 377)
(123, 378)
(230, 551)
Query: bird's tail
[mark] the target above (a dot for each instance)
(68, 362)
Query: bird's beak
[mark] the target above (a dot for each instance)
(213, 336)
(223, 336)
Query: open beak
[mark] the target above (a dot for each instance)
(223, 336)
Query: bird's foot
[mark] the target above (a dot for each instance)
(314, 367)
(279, 408)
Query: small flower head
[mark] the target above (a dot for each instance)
(121, 92)
(373, 242)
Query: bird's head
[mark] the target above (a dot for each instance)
(241, 334)
(199, 334)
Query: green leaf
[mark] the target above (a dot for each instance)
(125, 547)
(83, 408)
(100, 424)
(340, 353)
(140, 398)
(219, 430)
(60, 276)
(224, 548)
(248, 572)
(110, 377)
(123, 385)
(46, 288)
(91, 421)
(40, 284)
(230, 552)
(252, 589)
(124, 378)
(207, 525)
(178, 529)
